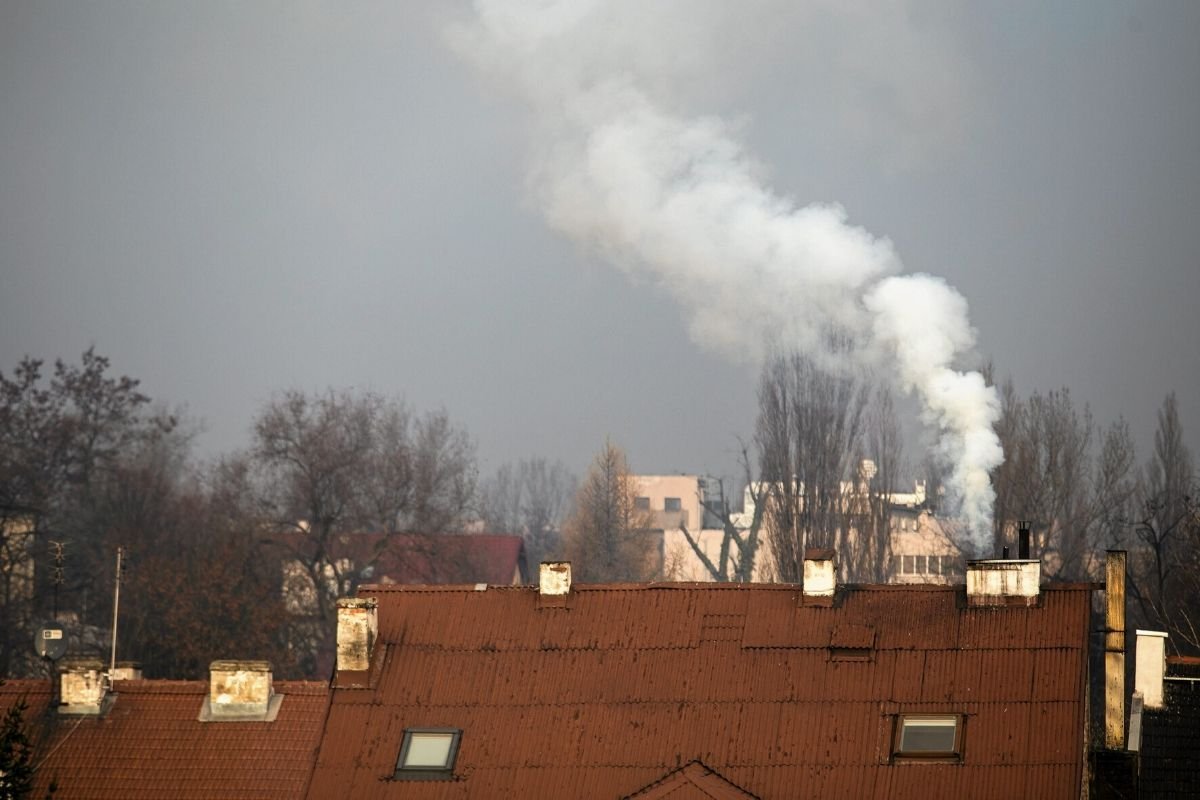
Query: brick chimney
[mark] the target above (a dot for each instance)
(820, 576)
(240, 690)
(1003, 582)
(554, 577)
(357, 630)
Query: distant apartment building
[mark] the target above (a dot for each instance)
(921, 544)
(669, 505)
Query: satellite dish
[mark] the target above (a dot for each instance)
(50, 641)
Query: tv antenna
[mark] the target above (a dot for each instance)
(58, 577)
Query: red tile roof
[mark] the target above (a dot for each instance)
(607, 695)
(150, 744)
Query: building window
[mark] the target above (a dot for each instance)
(932, 736)
(428, 754)
(672, 504)
(641, 503)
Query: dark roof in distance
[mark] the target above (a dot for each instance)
(1170, 749)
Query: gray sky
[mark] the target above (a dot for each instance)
(233, 198)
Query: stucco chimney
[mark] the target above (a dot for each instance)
(83, 686)
(1150, 667)
(126, 671)
(554, 578)
(1003, 582)
(239, 689)
(820, 575)
(357, 630)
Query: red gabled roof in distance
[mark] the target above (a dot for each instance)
(603, 697)
(414, 558)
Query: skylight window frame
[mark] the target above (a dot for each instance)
(954, 755)
(425, 772)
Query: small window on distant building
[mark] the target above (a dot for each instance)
(641, 503)
(935, 565)
(934, 736)
(672, 504)
(907, 564)
(428, 754)
(921, 566)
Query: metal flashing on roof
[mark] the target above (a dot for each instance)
(210, 712)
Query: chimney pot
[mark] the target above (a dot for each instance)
(554, 577)
(820, 573)
(357, 629)
(1003, 582)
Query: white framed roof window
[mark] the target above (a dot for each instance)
(929, 736)
(428, 754)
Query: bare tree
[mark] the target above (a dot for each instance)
(740, 539)
(62, 438)
(868, 542)
(1165, 565)
(334, 464)
(811, 421)
(1071, 481)
(606, 538)
(530, 497)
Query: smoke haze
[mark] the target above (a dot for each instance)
(675, 200)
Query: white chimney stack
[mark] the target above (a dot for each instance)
(126, 671)
(1003, 582)
(357, 630)
(240, 690)
(554, 578)
(1150, 667)
(820, 575)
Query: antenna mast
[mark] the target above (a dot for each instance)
(58, 572)
(112, 667)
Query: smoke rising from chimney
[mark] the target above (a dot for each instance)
(677, 201)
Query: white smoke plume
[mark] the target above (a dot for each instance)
(676, 200)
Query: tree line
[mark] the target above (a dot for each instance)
(89, 464)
